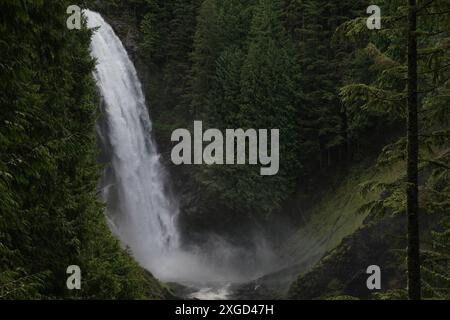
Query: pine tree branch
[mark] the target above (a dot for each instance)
(436, 163)
(434, 88)
(434, 13)
(435, 70)
(425, 5)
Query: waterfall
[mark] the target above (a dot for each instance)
(139, 210)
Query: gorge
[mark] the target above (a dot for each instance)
(90, 101)
(141, 209)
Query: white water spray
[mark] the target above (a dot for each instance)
(139, 210)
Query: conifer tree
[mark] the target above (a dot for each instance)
(411, 86)
(207, 46)
(412, 204)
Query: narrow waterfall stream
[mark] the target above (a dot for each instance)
(140, 209)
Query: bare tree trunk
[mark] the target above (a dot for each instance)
(413, 251)
(345, 148)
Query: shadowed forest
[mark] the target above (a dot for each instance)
(364, 175)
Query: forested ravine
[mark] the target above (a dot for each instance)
(221, 62)
(93, 96)
(141, 210)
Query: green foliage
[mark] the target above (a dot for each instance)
(385, 97)
(250, 66)
(50, 215)
(251, 86)
(308, 67)
(398, 294)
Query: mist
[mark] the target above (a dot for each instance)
(141, 210)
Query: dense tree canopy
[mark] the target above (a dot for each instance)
(311, 68)
(50, 215)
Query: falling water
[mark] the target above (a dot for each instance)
(139, 210)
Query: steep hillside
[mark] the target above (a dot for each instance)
(336, 215)
(340, 103)
(51, 217)
(344, 234)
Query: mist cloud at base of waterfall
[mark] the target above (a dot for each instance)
(216, 261)
(140, 211)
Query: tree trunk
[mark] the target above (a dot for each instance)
(412, 162)
(345, 148)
